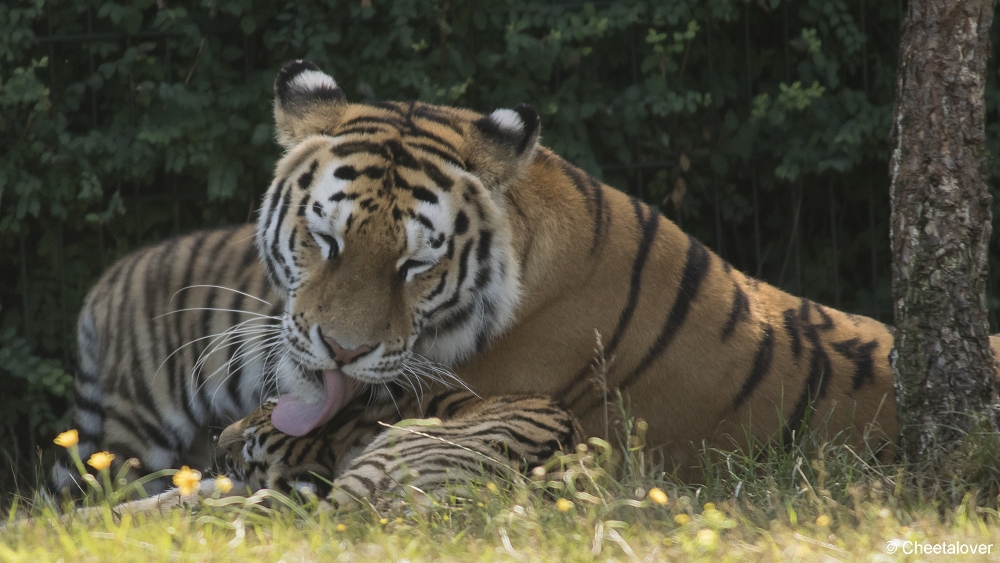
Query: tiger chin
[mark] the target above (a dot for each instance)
(408, 232)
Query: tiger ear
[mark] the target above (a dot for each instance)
(501, 144)
(306, 102)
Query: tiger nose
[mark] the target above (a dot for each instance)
(342, 354)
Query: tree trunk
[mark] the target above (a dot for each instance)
(940, 230)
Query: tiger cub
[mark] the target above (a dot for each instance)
(365, 457)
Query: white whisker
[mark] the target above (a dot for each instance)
(218, 287)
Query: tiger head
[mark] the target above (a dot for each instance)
(387, 229)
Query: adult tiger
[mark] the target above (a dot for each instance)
(405, 230)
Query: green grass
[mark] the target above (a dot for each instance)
(813, 501)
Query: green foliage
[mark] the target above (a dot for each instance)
(759, 126)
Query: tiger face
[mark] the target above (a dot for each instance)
(386, 228)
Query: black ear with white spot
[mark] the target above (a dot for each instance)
(502, 143)
(307, 101)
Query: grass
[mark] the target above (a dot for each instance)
(812, 501)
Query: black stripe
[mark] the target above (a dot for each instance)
(370, 487)
(435, 404)
(430, 113)
(140, 428)
(483, 276)
(280, 440)
(275, 253)
(360, 130)
(463, 270)
(425, 221)
(695, 270)
(85, 404)
(820, 374)
(345, 173)
(393, 122)
(414, 131)
(593, 195)
(343, 195)
(827, 321)
(304, 204)
(440, 287)
(761, 365)
(439, 178)
(443, 155)
(216, 262)
(483, 248)
(299, 159)
(175, 365)
(306, 179)
(739, 311)
(862, 357)
(461, 223)
(647, 226)
(237, 304)
(455, 320)
(401, 156)
(423, 194)
(792, 328)
(353, 147)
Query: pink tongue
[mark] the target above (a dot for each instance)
(296, 417)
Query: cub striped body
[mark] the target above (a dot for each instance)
(365, 460)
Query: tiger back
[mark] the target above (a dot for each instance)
(173, 338)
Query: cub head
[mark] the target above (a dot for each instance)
(386, 229)
(260, 455)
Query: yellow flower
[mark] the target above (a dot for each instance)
(399, 520)
(658, 496)
(563, 505)
(707, 537)
(341, 528)
(709, 506)
(223, 484)
(491, 486)
(383, 521)
(682, 519)
(101, 460)
(186, 480)
(68, 439)
(823, 520)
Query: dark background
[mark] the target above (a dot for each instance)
(761, 127)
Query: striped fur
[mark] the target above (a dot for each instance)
(166, 351)
(516, 257)
(499, 435)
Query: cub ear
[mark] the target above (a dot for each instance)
(306, 102)
(501, 144)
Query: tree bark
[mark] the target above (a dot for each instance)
(940, 230)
